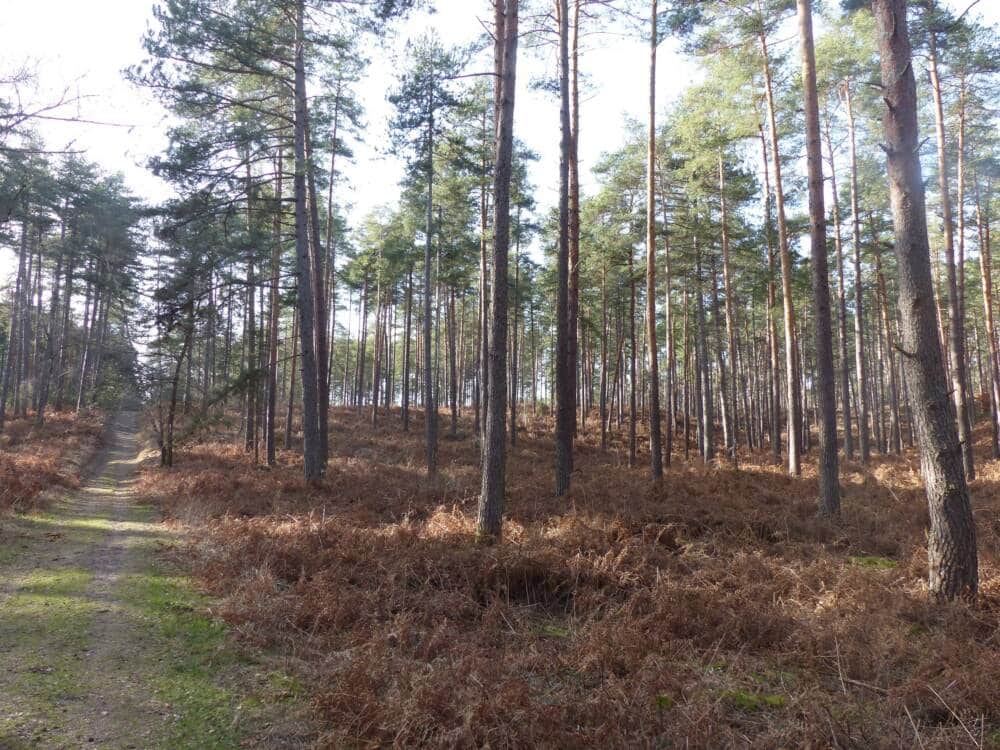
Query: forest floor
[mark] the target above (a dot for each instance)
(711, 610)
(35, 461)
(103, 643)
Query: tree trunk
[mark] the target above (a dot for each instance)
(564, 386)
(655, 442)
(791, 375)
(829, 487)
(494, 481)
(728, 394)
(952, 539)
(845, 367)
(274, 319)
(956, 332)
(774, 391)
(313, 459)
(859, 338)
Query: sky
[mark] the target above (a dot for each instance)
(82, 47)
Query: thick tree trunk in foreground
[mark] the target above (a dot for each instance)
(951, 547)
(829, 488)
(313, 460)
(494, 484)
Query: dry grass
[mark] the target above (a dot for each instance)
(34, 460)
(714, 610)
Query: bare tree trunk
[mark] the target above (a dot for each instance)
(952, 539)
(633, 370)
(494, 480)
(313, 459)
(430, 406)
(293, 370)
(985, 268)
(703, 379)
(774, 392)
(655, 441)
(452, 363)
(405, 396)
(845, 367)
(859, 339)
(564, 385)
(51, 344)
(515, 344)
(573, 167)
(728, 394)
(791, 374)
(316, 254)
(274, 319)
(956, 325)
(829, 487)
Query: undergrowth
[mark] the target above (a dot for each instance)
(711, 610)
(36, 459)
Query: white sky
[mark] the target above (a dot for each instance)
(83, 45)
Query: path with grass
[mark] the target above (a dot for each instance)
(103, 644)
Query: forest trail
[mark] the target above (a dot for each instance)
(102, 645)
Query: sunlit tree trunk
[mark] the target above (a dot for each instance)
(655, 441)
(951, 548)
(494, 481)
(956, 326)
(829, 487)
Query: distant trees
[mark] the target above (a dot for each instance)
(77, 240)
(272, 299)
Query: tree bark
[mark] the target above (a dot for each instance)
(313, 459)
(564, 386)
(956, 332)
(829, 487)
(791, 374)
(952, 539)
(494, 482)
(655, 441)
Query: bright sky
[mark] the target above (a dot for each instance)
(83, 45)
(72, 44)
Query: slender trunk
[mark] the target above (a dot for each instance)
(51, 343)
(564, 387)
(728, 395)
(956, 332)
(791, 375)
(494, 480)
(655, 442)
(316, 254)
(293, 371)
(829, 487)
(405, 398)
(774, 391)
(430, 407)
(845, 367)
(275, 304)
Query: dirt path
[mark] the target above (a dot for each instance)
(103, 645)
